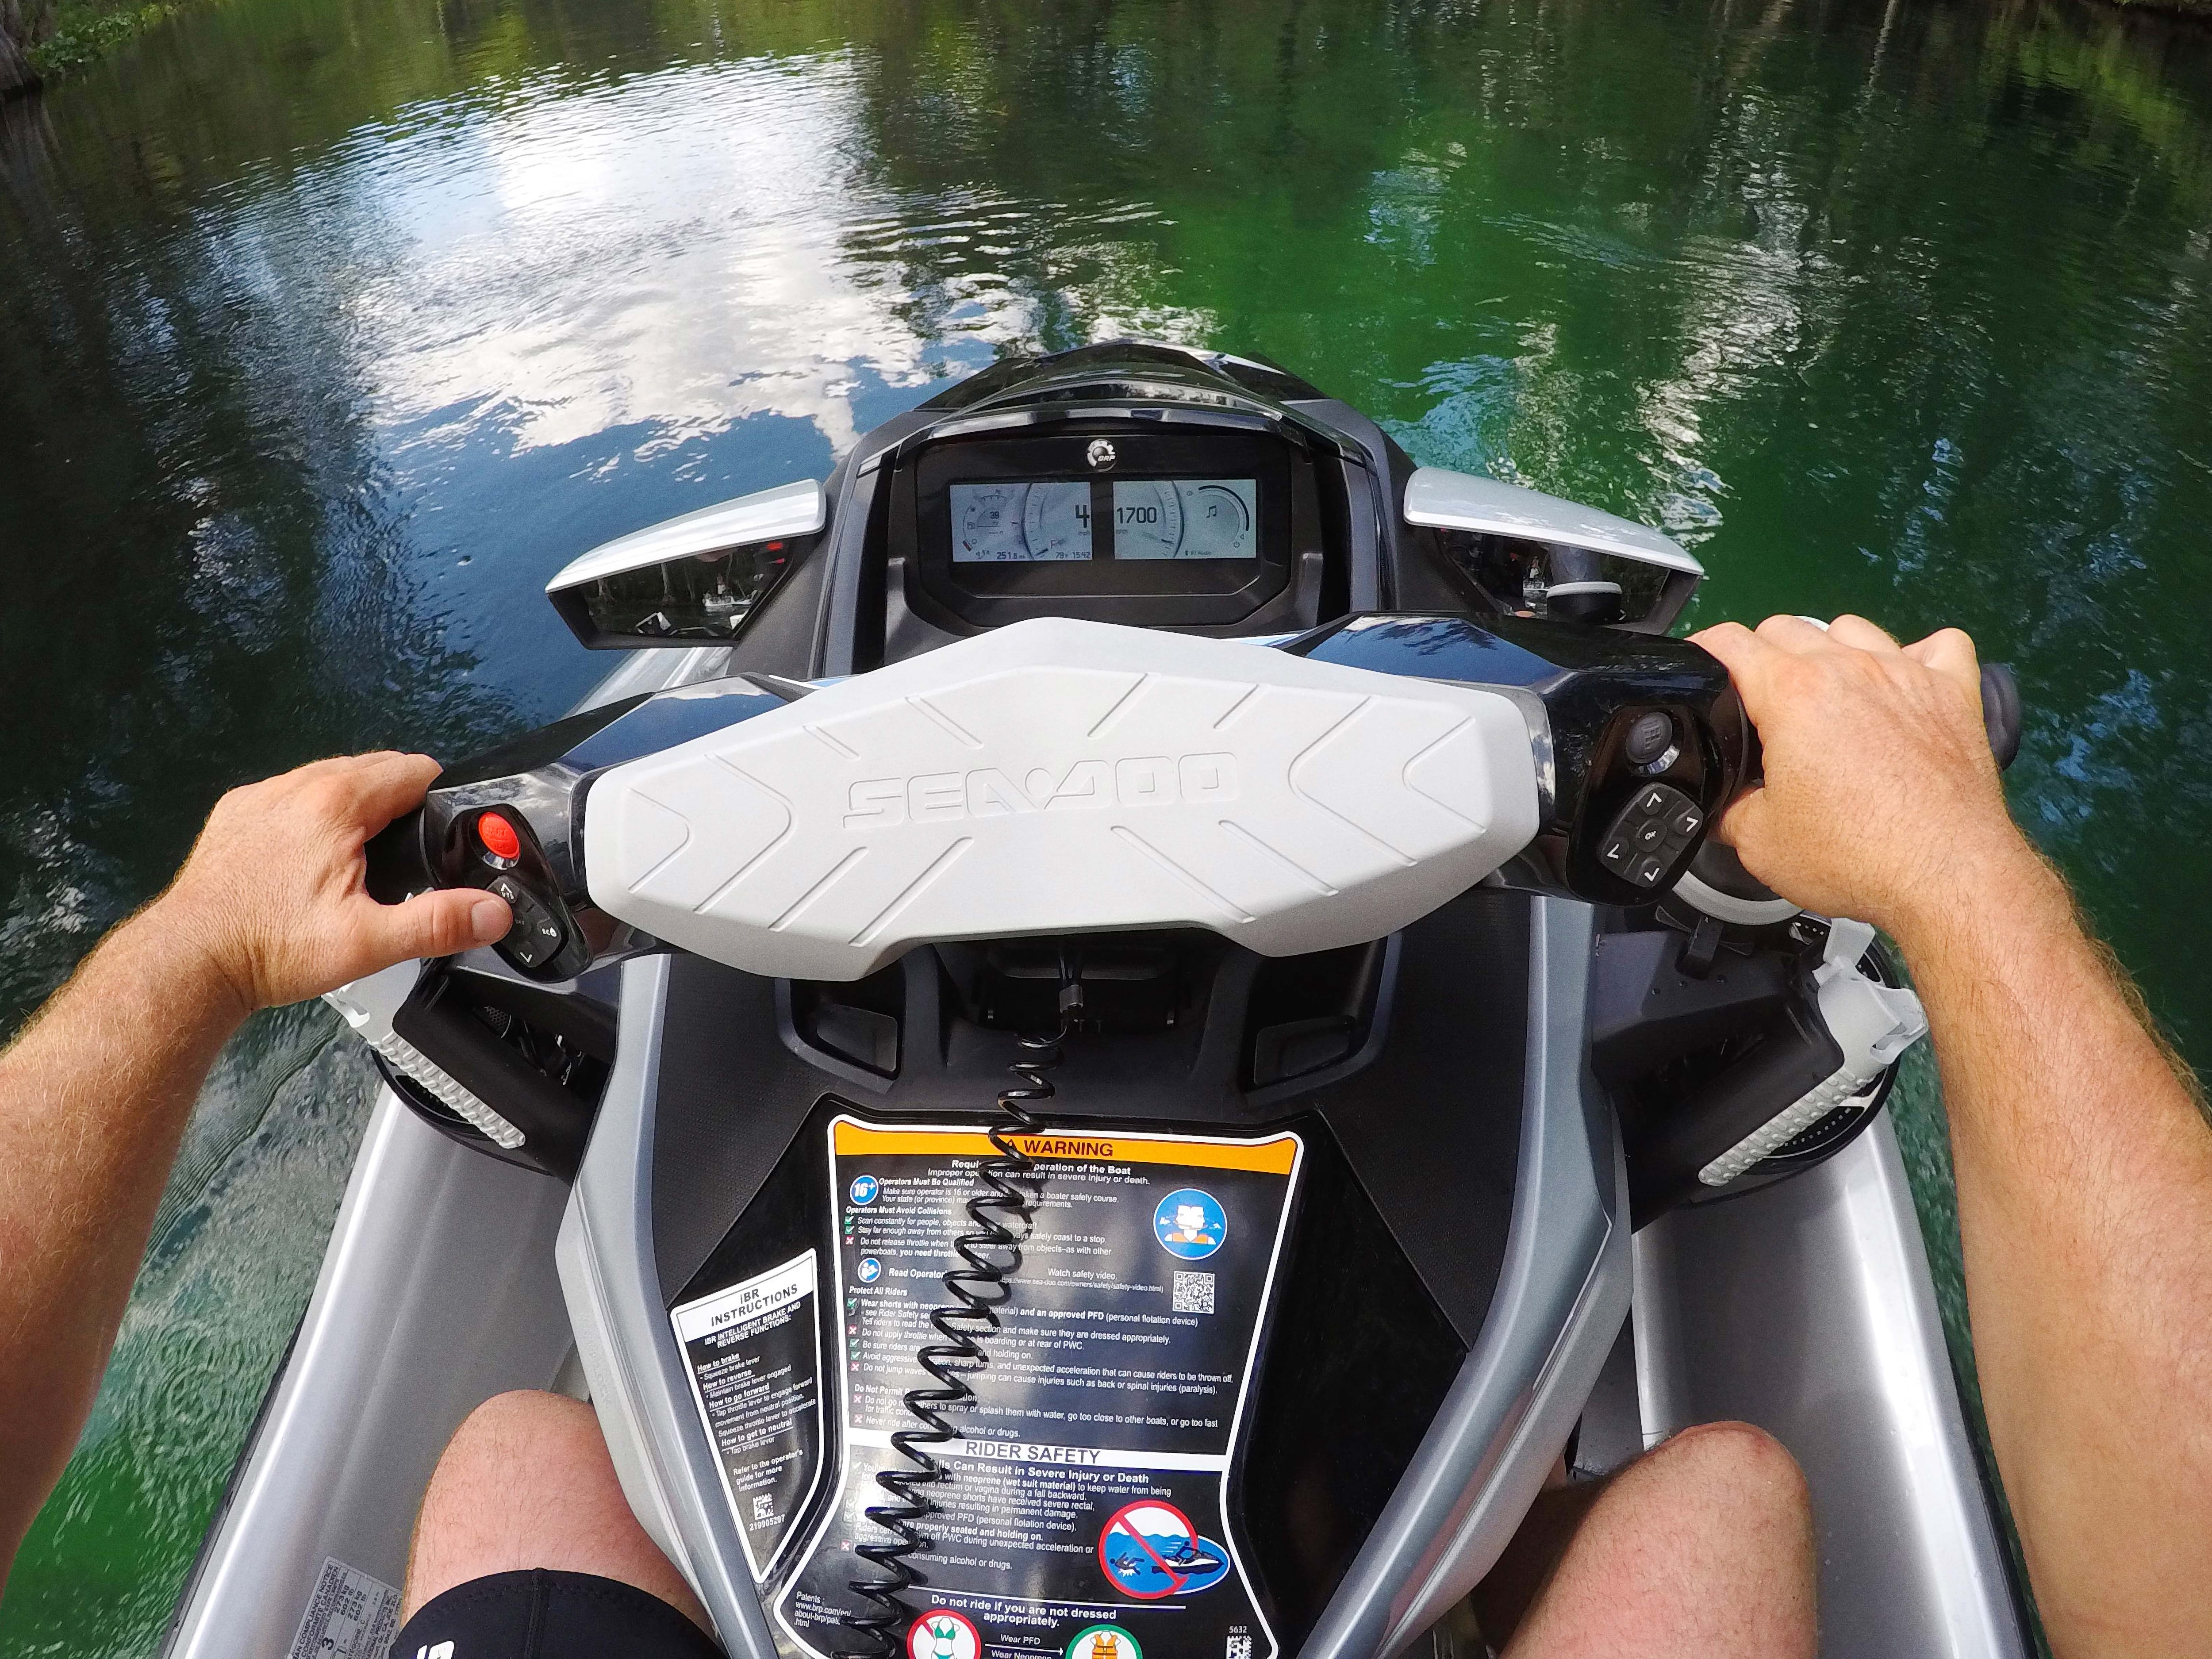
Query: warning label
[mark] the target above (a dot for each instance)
(351, 1616)
(1084, 1504)
(750, 1353)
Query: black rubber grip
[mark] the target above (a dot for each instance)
(2000, 719)
(2001, 711)
(399, 859)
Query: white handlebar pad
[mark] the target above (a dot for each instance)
(1058, 776)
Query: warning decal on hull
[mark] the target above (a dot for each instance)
(1085, 1514)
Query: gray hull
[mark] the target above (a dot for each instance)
(1806, 1308)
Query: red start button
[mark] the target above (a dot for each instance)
(498, 836)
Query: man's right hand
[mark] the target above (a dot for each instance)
(1881, 798)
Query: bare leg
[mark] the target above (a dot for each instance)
(1700, 1549)
(526, 1482)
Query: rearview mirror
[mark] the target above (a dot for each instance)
(690, 580)
(1539, 554)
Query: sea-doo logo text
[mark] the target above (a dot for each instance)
(989, 792)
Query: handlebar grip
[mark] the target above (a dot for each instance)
(2000, 719)
(398, 860)
(2001, 711)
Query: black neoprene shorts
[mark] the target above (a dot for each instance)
(542, 1615)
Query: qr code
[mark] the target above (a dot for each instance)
(1194, 1293)
(764, 1506)
(1240, 1647)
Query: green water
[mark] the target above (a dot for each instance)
(329, 328)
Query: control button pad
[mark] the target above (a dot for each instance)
(1649, 836)
(537, 935)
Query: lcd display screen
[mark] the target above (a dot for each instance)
(1008, 523)
(1186, 518)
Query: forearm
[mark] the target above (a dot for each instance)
(2085, 1204)
(94, 1098)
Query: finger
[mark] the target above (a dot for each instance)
(1950, 652)
(1862, 635)
(384, 786)
(1794, 634)
(1740, 650)
(1748, 658)
(437, 924)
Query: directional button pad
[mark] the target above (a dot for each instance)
(537, 935)
(1651, 834)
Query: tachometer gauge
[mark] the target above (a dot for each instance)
(1056, 523)
(1147, 519)
(986, 523)
(1217, 519)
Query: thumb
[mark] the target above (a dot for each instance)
(438, 923)
(1740, 821)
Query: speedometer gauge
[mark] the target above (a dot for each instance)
(986, 523)
(1007, 523)
(1056, 523)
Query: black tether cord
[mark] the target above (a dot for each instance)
(1004, 1214)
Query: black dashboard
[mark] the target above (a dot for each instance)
(1109, 517)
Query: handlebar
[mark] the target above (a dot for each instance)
(2001, 711)
(2000, 719)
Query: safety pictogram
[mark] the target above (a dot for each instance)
(1190, 1222)
(1150, 1550)
(1104, 1642)
(940, 1633)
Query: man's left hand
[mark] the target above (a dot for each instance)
(273, 893)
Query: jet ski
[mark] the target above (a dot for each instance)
(1139, 981)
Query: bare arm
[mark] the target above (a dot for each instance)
(95, 1092)
(2084, 1164)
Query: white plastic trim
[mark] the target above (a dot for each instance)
(1726, 906)
(767, 515)
(1872, 1024)
(1066, 776)
(1570, 590)
(368, 1006)
(1459, 501)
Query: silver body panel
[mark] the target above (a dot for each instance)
(437, 1293)
(1807, 1307)
(1561, 1297)
(628, 1347)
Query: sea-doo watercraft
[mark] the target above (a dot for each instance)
(1121, 1026)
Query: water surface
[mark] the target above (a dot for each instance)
(329, 329)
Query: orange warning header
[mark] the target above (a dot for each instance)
(1272, 1156)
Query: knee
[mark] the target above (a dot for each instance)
(1741, 1467)
(526, 1427)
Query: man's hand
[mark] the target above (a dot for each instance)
(1881, 798)
(2084, 1166)
(94, 1091)
(272, 895)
